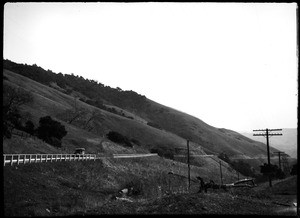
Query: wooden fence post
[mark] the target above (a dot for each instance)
(30, 158)
(18, 159)
(4, 159)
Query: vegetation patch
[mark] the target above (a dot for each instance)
(119, 138)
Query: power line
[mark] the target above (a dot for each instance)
(267, 133)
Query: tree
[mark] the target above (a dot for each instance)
(243, 168)
(294, 169)
(51, 131)
(29, 127)
(223, 156)
(119, 138)
(272, 170)
(13, 99)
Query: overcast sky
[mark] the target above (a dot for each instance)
(232, 65)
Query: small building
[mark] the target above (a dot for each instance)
(79, 151)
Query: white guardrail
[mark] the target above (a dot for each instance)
(10, 159)
(133, 155)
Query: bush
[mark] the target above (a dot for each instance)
(119, 138)
(272, 170)
(155, 125)
(223, 156)
(294, 169)
(51, 131)
(55, 142)
(29, 127)
(135, 141)
(163, 152)
(136, 187)
(243, 168)
(13, 99)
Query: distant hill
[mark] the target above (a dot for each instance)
(286, 143)
(135, 116)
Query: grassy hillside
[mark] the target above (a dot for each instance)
(69, 188)
(212, 139)
(73, 188)
(87, 188)
(180, 126)
(49, 101)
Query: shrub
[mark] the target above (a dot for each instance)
(223, 156)
(29, 127)
(294, 169)
(51, 131)
(163, 152)
(136, 187)
(13, 99)
(135, 141)
(272, 170)
(119, 138)
(155, 125)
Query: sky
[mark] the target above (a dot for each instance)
(232, 65)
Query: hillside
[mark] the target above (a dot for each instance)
(58, 189)
(152, 124)
(91, 187)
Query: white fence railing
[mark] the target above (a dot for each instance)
(133, 155)
(10, 159)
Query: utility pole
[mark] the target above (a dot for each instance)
(266, 133)
(285, 163)
(188, 162)
(279, 159)
(221, 173)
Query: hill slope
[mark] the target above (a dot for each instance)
(152, 124)
(72, 188)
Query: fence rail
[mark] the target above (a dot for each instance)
(10, 159)
(133, 155)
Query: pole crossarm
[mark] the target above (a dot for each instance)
(260, 134)
(264, 134)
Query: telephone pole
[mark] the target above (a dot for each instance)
(188, 162)
(221, 173)
(279, 159)
(267, 133)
